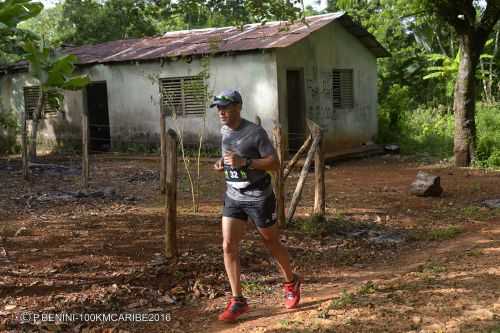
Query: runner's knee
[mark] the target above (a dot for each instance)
(271, 242)
(230, 246)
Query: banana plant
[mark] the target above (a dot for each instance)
(54, 73)
(447, 71)
(13, 12)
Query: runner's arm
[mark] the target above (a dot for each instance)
(268, 163)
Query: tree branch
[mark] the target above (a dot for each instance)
(452, 10)
(489, 18)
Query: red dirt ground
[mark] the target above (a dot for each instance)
(103, 255)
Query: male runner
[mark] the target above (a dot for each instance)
(247, 156)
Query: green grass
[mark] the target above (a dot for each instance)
(438, 234)
(317, 225)
(368, 288)
(253, 287)
(433, 267)
(314, 225)
(337, 303)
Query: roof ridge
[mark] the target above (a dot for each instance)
(249, 25)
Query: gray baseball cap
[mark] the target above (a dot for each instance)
(227, 97)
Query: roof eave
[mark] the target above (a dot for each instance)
(364, 36)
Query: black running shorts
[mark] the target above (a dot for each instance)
(261, 212)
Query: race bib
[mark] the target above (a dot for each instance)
(235, 174)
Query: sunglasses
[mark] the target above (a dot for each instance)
(223, 98)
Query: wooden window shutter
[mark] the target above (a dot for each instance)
(31, 95)
(183, 95)
(343, 88)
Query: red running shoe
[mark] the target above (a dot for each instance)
(292, 292)
(234, 309)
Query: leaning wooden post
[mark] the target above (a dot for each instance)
(85, 143)
(24, 145)
(280, 182)
(163, 153)
(171, 197)
(296, 157)
(302, 179)
(319, 171)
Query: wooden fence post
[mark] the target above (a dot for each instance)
(319, 173)
(85, 142)
(163, 153)
(24, 145)
(171, 197)
(279, 180)
(258, 121)
(303, 174)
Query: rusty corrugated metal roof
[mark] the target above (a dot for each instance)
(219, 40)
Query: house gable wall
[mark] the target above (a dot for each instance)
(134, 98)
(333, 47)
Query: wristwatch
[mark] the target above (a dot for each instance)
(248, 162)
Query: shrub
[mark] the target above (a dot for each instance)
(431, 130)
(488, 136)
(9, 129)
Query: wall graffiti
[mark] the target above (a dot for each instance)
(319, 97)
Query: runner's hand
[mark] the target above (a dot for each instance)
(219, 166)
(233, 160)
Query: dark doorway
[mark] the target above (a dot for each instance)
(295, 109)
(97, 104)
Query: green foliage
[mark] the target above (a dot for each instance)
(430, 130)
(427, 130)
(416, 129)
(446, 71)
(54, 72)
(396, 103)
(91, 21)
(488, 136)
(12, 13)
(9, 129)
(46, 24)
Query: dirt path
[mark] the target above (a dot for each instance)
(473, 258)
(436, 268)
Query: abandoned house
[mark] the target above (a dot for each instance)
(325, 70)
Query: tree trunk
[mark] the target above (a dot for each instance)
(37, 115)
(464, 102)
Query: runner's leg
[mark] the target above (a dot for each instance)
(271, 237)
(233, 231)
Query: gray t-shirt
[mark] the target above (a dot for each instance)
(249, 140)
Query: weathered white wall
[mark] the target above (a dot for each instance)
(62, 126)
(133, 95)
(326, 49)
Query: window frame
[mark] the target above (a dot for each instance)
(346, 94)
(187, 101)
(31, 104)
